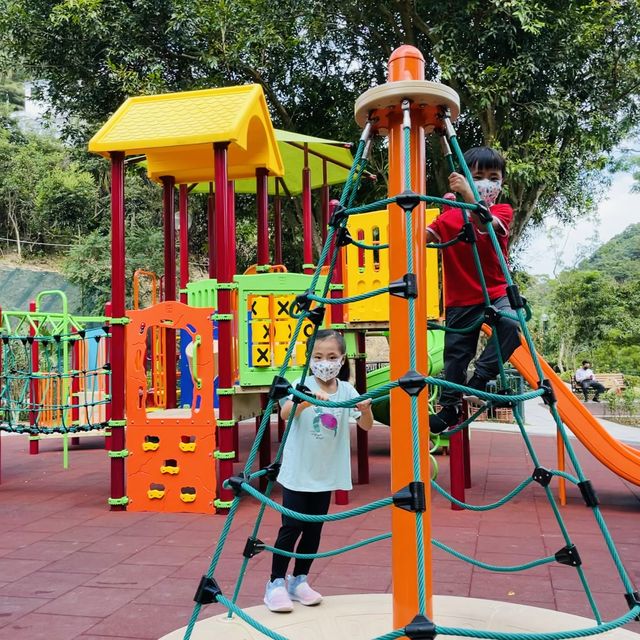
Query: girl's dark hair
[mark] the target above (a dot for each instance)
(328, 334)
(485, 158)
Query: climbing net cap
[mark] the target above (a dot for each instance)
(391, 94)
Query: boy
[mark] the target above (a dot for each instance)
(464, 301)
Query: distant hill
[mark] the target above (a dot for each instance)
(620, 257)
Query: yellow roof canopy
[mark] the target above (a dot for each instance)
(176, 132)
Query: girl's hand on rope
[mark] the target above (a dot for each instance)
(459, 184)
(365, 405)
(321, 395)
(365, 421)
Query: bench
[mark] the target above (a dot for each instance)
(609, 381)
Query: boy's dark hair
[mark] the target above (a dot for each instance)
(327, 334)
(485, 158)
(585, 362)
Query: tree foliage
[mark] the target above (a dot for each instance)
(553, 84)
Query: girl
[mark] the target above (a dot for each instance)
(316, 461)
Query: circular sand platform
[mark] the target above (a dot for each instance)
(362, 617)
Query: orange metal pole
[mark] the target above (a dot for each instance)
(407, 63)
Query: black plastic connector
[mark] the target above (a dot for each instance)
(279, 388)
(568, 555)
(82, 333)
(468, 233)
(316, 315)
(107, 366)
(491, 315)
(549, 395)
(5, 339)
(208, 591)
(406, 287)
(235, 483)
(542, 476)
(343, 237)
(411, 497)
(483, 212)
(420, 628)
(588, 493)
(272, 471)
(633, 600)
(253, 547)
(339, 214)
(412, 383)
(504, 402)
(408, 200)
(303, 302)
(515, 299)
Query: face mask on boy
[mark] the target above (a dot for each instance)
(326, 369)
(488, 190)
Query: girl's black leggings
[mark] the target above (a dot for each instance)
(312, 503)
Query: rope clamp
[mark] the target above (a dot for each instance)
(568, 555)
(408, 200)
(339, 214)
(467, 233)
(235, 484)
(208, 591)
(343, 237)
(279, 388)
(633, 600)
(411, 497)
(316, 315)
(515, 299)
(406, 287)
(302, 302)
(253, 547)
(491, 315)
(272, 471)
(420, 628)
(406, 114)
(510, 404)
(118, 502)
(549, 395)
(123, 453)
(412, 383)
(482, 211)
(588, 493)
(542, 476)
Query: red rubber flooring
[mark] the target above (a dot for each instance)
(70, 569)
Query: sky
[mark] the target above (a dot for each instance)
(553, 247)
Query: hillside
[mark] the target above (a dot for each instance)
(620, 257)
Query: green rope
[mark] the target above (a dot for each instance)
(327, 554)
(487, 507)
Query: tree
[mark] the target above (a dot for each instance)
(553, 84)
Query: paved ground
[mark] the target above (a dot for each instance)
(70, 569)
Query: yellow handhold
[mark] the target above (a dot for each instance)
(188, 497)
(155, 494)
(150, 446)
(187, 447)
(170, 470)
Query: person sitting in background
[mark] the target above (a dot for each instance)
(587, 380)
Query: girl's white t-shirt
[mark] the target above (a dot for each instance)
(317, 453)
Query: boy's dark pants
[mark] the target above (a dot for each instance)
(311, 503)
(459, 348)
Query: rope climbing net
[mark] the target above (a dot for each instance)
(55, 374)
(412, 498)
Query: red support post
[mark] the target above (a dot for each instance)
(211, 232)
(76, 367)
(1, 382)
(325, 201)
(262, 196)
(184, 241)
(277, 225)
(226, 263)
(117, 330)
(34, 392)
(168, 212)
(107, 383)
(307, 215)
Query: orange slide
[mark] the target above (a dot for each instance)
(622, 459)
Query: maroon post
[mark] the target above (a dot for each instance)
(325, 200)
(226, 263)
(262, 196)
(211, 232)
(307, 215)
(362, 436)
(337, 311)
(76, 366)
(466, 455)
(231, 207)
(117, 329)
(107, 383)
(34, 441)
(183, 207)
(456, 468)
(168, 211)
(7, 390)
(277, 225)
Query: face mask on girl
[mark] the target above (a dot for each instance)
(326, 369)
(488, 189)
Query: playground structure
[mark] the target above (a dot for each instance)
(262, 320)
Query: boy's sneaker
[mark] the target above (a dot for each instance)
(277, 598)
(300, 591)
(475, 383)
(445, 418)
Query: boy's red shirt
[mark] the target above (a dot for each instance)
(461, 283)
